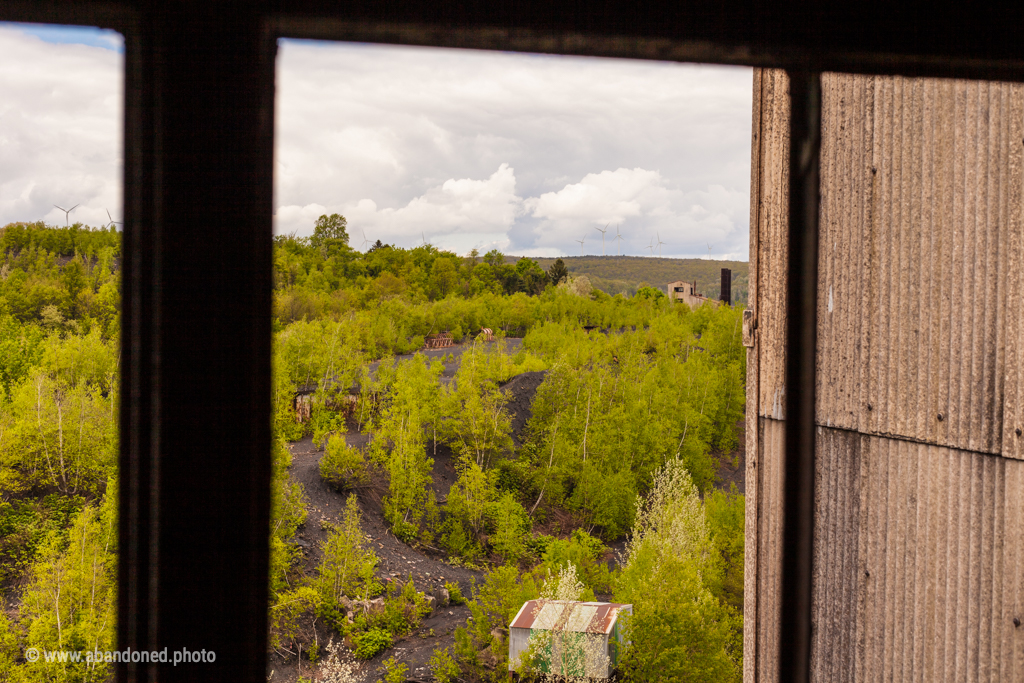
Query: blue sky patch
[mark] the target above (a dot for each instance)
(74, 35)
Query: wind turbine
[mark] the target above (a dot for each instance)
(603, 231)
(618, 238)
(710, 247)
(659, 244)
(112, 221)
(365, 241)
(651, 246)
(581, 244)
(67, 212)
(424, 236)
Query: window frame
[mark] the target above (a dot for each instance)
(196, 273)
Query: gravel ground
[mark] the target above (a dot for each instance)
(397, 561)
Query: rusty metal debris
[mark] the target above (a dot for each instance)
(441, 340)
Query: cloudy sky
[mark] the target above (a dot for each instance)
(465, 149)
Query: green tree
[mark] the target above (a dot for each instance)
(726, 514)
(443, 277)
(72, 280)
(70, 601)
(558, 272)
(466, 512)
(511, 525)
(348, 563)
(678, 631)
(475, 420)
(399, 444)
(652, 293)
(494, 258)
(327, 228)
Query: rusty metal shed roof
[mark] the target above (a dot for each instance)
(562, 615)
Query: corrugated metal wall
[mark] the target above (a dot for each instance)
(920, 501)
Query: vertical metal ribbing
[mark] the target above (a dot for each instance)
(801, 337)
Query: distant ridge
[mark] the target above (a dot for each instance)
(626, 274)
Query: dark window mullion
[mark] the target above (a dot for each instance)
(801, 340)
(195, 431)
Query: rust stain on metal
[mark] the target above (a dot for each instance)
(558, 615)
(441, 340)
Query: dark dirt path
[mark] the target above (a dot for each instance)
(398, 560)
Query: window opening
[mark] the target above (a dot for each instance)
(60, 298)
(479, 366)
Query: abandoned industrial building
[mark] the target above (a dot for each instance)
(686, 292)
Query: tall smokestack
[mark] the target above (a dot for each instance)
(726, 286)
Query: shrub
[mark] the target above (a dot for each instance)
(511, 524)
(323, 422)
(371, 643)
(348, 564)
(404, 609)
(394, 672)
(342, 466)
(443, 667)
(582, 551)
(292, 618)
(454, 593)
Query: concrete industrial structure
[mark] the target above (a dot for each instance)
(919, 478)
(686, 292)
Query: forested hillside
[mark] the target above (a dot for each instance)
(626, 274)
(59, 326)
(570, 452)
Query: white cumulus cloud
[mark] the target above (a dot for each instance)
(405, 142)
(464, 148)
(454, 214)
(60, 129)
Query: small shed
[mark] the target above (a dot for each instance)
(571, 638)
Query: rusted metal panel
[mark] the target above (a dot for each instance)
(1013, 423)
(918, 565)
(916, 237)
(588, 617)
(750, 340)
(766, 583)
(441, 340)
(772, 216)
